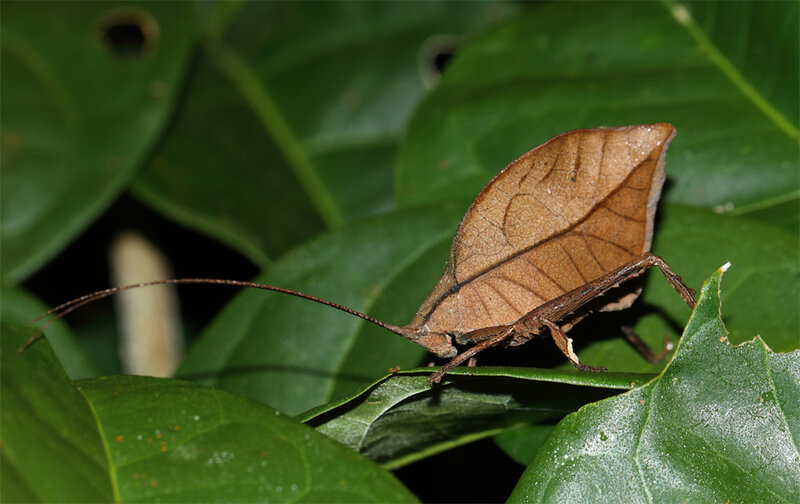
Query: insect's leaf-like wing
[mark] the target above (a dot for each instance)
(561, 215)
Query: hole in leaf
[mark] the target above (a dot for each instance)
(127, 33)
(441, 59)
(125, 39)
(434, 56)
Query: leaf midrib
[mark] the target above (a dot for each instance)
(253, 91)
(683, 17)
(112, 474)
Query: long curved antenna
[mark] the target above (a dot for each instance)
(73, 304)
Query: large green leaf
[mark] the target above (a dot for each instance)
(51, 447)
(294, 354)
(137, 439)
(783, 215)
(401, 418)
(719, 423)
(523, 443)
(751, 36)
(78, 120)
(563, 67)
(308, 101)
(223, 177)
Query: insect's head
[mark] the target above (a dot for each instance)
(440, 344)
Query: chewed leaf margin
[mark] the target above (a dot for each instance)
(695, 432)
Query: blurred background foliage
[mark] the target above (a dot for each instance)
(332, 147)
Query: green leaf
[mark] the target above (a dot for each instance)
(750, 36)
(562, 68)
(78, 120)
(401, 418)
(52, 450)
(308, 101)
(719, 423)
(784, 215)
(20, 307)
(293, 354)
(137, 439)
(522, 444)
(224, 177)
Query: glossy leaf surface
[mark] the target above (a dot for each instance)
(309, 101)
(509, 90)
(720, 422)
(523, 443)
(752, 36)
(44, 414)
(78, 119)
(135, 439)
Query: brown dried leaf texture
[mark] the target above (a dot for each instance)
(561, 215)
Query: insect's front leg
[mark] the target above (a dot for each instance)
(485, 343)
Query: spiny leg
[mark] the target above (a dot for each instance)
(675, 280)
(644, 348)
(564, 343)
(470, 352)
(685, 292)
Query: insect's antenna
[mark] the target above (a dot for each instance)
(73, 304)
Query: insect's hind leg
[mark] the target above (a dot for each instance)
(644, 348)
(675, 280)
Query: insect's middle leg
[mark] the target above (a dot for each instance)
(564, 343)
